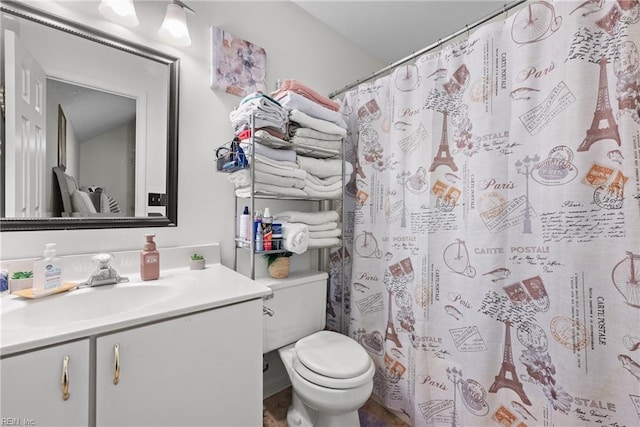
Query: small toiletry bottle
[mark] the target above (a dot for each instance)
(47, 272)
(149, 260)
(244, 228)
(257, 223)
(276, 241)
(267, 229)
(259, 242)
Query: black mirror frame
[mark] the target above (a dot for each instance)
(171, 218)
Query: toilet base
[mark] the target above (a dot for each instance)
(300, 415)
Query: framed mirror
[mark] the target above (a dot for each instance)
(89, 127)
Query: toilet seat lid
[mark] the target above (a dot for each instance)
(332, 355)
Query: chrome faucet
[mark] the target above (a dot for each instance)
(104, 273)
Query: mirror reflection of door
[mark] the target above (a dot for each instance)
(25, 131)
(100, 139)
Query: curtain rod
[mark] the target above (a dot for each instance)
(414, 55)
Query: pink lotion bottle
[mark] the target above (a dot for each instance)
(149, 260)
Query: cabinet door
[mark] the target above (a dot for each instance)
(32, 389)
(202, 369)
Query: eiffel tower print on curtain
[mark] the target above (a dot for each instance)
(603, 113)
(508, 367)
(443, 157)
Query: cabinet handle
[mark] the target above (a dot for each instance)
(116, 364)
(65, 378)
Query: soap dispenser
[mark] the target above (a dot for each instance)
(47, 272)
(149, 260)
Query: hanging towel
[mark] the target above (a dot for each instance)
(306, 120)
(307, 217)
(295, 237)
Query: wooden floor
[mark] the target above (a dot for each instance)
(371, 414)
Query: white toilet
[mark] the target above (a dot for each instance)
(331, 374)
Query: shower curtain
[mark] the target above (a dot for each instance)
(492, 228)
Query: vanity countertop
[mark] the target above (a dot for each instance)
(27, 324)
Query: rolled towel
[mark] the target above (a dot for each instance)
(295, 237)
(310, 218)
(329, 242)
(336, 232)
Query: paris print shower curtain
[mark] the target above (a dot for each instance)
(493, 226)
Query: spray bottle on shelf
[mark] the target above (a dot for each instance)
(244, 228)
(267, 229)
(257, 232)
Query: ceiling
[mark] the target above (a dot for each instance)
(392, 30)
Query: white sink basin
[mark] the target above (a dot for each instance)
(85, 304)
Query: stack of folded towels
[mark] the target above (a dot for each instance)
(269, 116)
(314, 120)
(309, 121)
(309, 230)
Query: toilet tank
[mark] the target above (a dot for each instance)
(298, 305)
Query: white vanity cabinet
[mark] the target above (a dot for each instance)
(34, 391)
(202, 369)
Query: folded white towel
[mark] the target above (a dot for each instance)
(329, 195)
(313, 185)
(267, 168)
(308, 147)
(323, 181)
(323, 168)
(295, 237)
(307, 217)
(306, 132)
(282, 164)
(293, 101)
(324, 226)
(328, 242)
(271, 190)
(317, 124)
(336, 232)
(242, 178)
(285, 155)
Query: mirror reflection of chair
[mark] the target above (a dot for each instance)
(71, 200)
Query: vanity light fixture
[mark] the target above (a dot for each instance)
(174, 28)
(119, 11)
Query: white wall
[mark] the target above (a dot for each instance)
(106, 160)
(297, 46)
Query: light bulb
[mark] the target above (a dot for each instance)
(120, 11)
(174, 28)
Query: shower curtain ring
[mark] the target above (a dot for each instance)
(506, 12)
